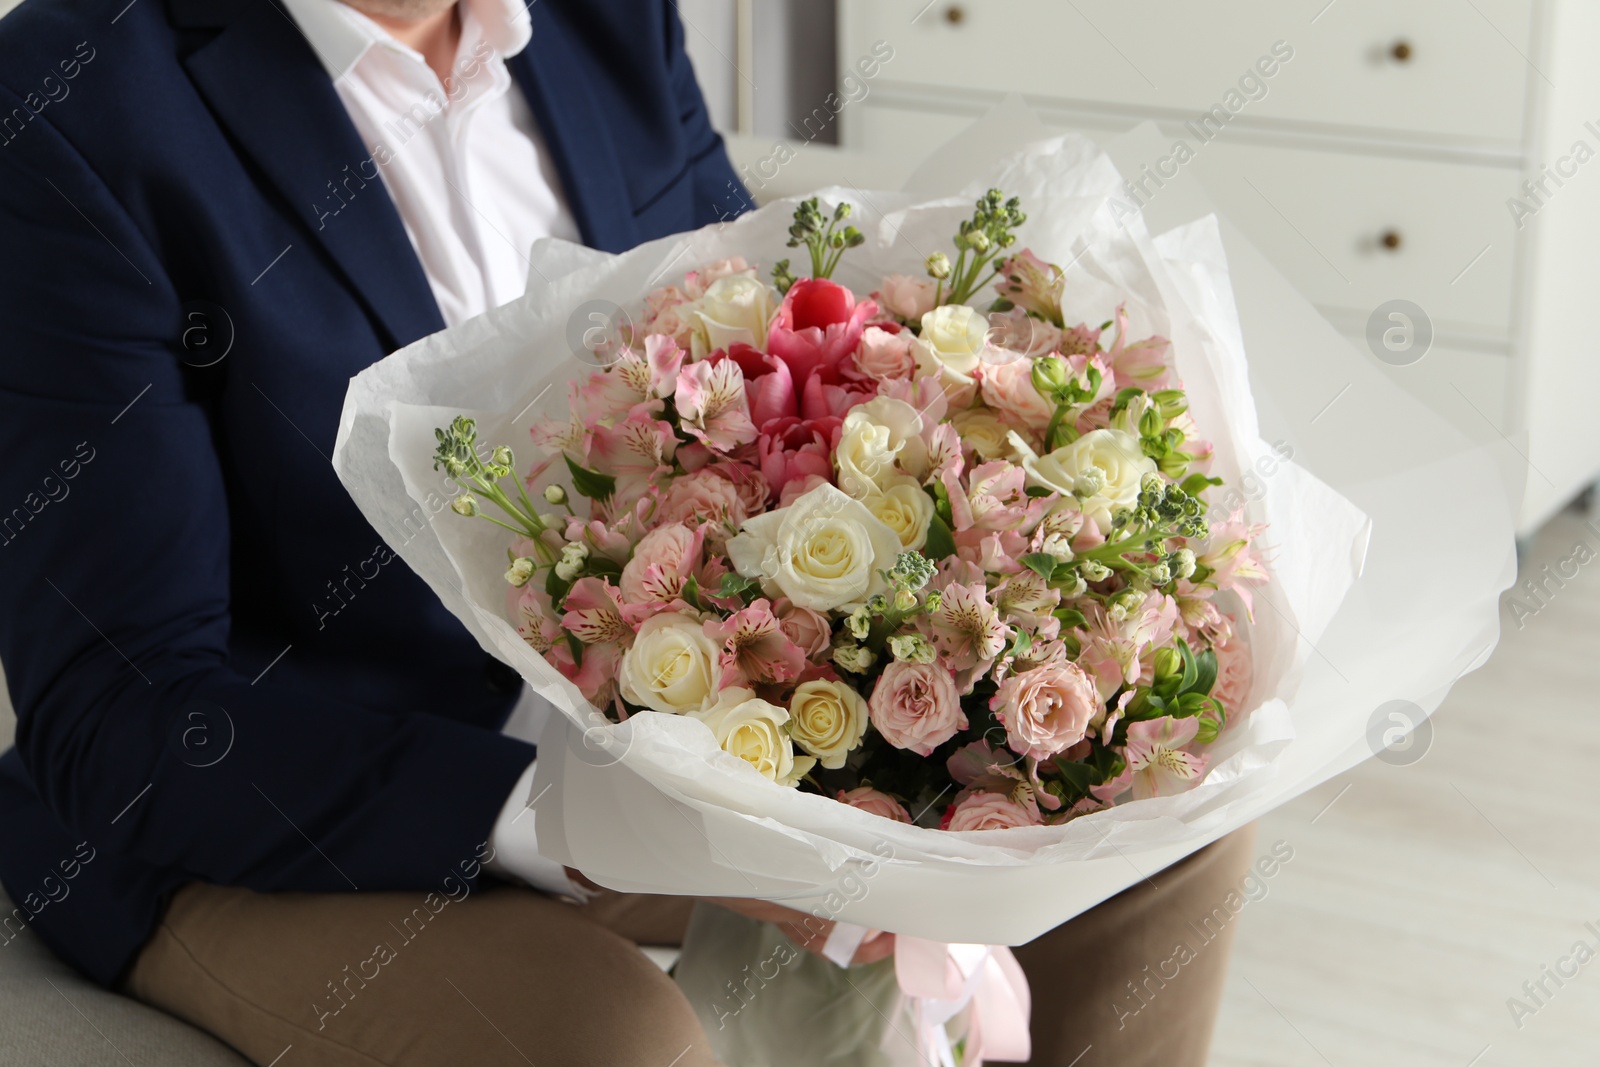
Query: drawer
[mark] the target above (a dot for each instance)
(1321, 217)
(1464, 76)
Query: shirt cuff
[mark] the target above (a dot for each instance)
(516, 847)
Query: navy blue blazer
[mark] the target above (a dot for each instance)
(220, 673)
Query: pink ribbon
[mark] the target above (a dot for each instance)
(942, 980)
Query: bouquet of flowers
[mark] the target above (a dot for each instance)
(939, 589)
(945, 563)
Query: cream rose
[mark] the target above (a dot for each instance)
(983, 433)
(1103, 469)
(823, 552)
(671, 667)
(952, 340)
(736, 307)
(904, 508)
(879, 440)
(827, 719)
(752, 729)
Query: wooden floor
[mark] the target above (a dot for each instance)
(1422, 897)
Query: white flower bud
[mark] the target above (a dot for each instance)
(554, 494)
(521, 570)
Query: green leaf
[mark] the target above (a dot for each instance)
(691, 593)
(1205, 673)
(734, 585)
(1078, 776)
(1036, 491)
(1041, 563)
(1071, 618)
(1190, 670)
(941, 505)
(941, 542)
(557, 588)
(592, 484)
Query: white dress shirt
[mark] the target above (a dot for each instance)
(463, 163)
(475, 187)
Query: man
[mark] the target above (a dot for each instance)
(272, 763)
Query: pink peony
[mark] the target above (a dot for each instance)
(990, 811)
(881, 355)
(1008, 389)
(915, 706)
(870, 800)
(1047, 709)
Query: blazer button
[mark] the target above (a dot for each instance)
(498, 678)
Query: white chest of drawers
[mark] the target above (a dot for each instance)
(1374, 149)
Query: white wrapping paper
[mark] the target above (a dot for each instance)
(1381, 587)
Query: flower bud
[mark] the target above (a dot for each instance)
(1183, 562)
(572, 560)
(1168, 664)
(939, 266)
(911, 648)
(1050, 375)
(1093, 570)
(466, 504)
(859, 623)
(554, 494)
(854, 658)
(521, 569)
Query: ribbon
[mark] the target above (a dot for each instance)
(942, 980)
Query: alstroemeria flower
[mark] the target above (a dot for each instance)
(1141, 365)
(1157, 764)
(1232, 559)
(754, 648)
(712, 406)
(1114, 649)
(1032, 284)
(635, 378)
(636, 452)
(967, 630)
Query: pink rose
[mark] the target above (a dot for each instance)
(806, 628)
(990, 811)
(702, 497)
(909, 298)
(870, 800)
(915, 706)
(1017, 331)
(1235, 674)
(1008, 389)
(751, 485)
(882, 355)
(790, 448)
(661, 561)
(799, 487)
(1047, 709)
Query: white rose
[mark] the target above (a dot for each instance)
(1110, 458)
(987, 435)
(827, 719)
(737, 307)
(904, 508)
(823, 552)
(878, 436)
(672, 666)
(752, 729)
(952, 340)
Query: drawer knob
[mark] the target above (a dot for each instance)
(1401, 51)
(1390, 239)
(955, 14)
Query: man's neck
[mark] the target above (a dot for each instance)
(436, 37)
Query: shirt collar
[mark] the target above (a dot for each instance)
(340, 35)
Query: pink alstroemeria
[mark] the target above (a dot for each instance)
(634, 378)
(1233, 561)
(1141, 365)
(636, 452)
(1119, 638)
(712, 405)
(1033, 285)
(967, 631)
(594, 613)
(754, 648)
(944, 453)
(568, 435)
(1157, 764)
(536, 616)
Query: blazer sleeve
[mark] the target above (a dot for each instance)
(719, 194)
(114, 595)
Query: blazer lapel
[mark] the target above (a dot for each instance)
(555, 85)
(267, 87)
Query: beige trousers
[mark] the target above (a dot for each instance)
(508, 977)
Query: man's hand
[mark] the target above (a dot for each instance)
(810, 932)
